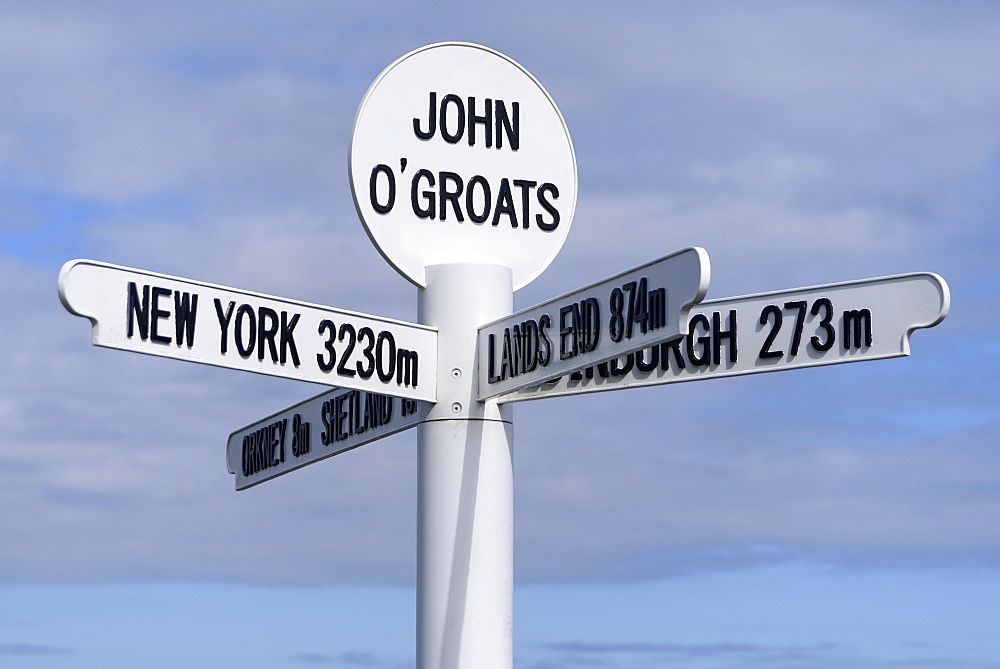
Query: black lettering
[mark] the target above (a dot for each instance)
(510, 125)
(637, 305)
(647, 366)
(251, 452)
(279, 454)
(718, 334)
(525, 187)
(381, 355)
(336, 418)
(470, 208)
(529, 331)
(657, 308)
(452, 137)
(243, 454)
(156, 314)
(504, 205)
(857, 328)
(373, 411)
(825, 324)
(300, 437)
(545, 344)
(224, 323)
(265, 447)
(567, 338)
(185, 310)
(431, 119)
(451, 195)
(675, 346)
(325, 365)
(704, 355)
(354, 413)
(426, 211)
(245, 349)
(799, 306)
(517, 354)
(368, 353)
(326, 436)
(406, 367)
(623, 370)
(373, 189)
(360, 413)
(616, 324)
(267, 329)
(492, 363)
(506, 366)
(765, 316)
(137, 310)
(341, 416)
(590, 310)
(543, 225)
(486, 120)
(287, 338)
(346, 329)
(257, 455)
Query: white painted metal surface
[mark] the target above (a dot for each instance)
(821, 325)
(459, 155)
(465, 490)
(330, 423)
(624, 313)
(167, 316)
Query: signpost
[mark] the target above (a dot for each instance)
(770, 332)
(161, 315)
(464, 177)
(625, 313)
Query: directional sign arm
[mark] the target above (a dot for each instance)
(624, 313)
(167, 316)
(822, 325)
(325, 425)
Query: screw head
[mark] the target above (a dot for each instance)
(456, 407)
(456, 373)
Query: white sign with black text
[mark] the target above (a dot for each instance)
(161, 315)
(330, 423)
(459, 155)
(770, 332)
(625, 313)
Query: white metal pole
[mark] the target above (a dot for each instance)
(465, 489)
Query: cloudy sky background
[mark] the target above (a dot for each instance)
(846, 516)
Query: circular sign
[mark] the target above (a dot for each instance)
(459, 155)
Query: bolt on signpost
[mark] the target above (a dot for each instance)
(464, 178)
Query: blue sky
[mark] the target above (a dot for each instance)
(844, 516)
